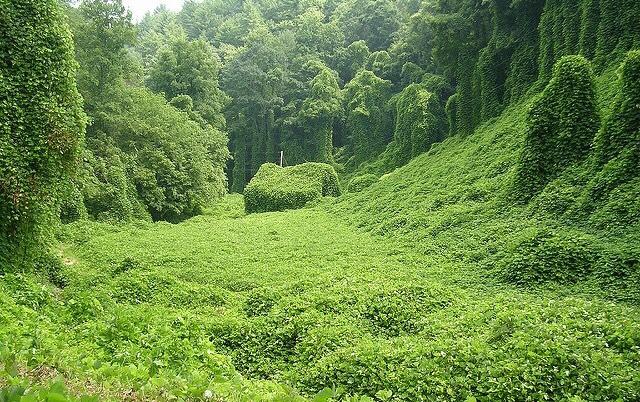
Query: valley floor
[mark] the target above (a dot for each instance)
(280, 306)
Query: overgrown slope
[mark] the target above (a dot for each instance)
(460, 199)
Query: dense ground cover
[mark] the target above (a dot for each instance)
(241, 304)
(502, 263)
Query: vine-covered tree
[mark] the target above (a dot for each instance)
(368, 122)
(561, 126)
(41, 125)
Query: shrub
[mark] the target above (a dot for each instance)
(542, 255)
(359, 183)
(259, 302)
(324, 340)
(396, 311)
(561, 125)
(275, 188)
(618, 272)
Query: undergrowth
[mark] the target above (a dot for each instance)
(298, 305)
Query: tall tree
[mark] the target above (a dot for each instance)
(102, 30)
(41, 124)
(190, 68)
(368, 121)
(256, 79)
(374, 21)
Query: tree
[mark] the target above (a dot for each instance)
(374, 21)
(190, 68)
(256, 79)
(150, 159)
(561, 126)
(316, 36)
(317, 115)
(102, 32)
(420, 122)
(621, 129)
(41, 124)
(366, 97)
(155, 31)
(348, 61)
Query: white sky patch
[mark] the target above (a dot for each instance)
(141, 7)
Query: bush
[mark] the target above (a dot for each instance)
(543, 256)
(359, 183)
(275, 188)
(397, 311)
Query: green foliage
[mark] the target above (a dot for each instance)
(190, 68)
(618, 31)
(102, 31)
(373, 21)
(41, 125)
(316, 36)
(255, 78)
(430, 284)
(420, 122)
(589, 27)
(220, 296)
(351, 59)
(146, 158)
(315, 120)
(621, 128)
(542, 255)
(563, 121)
(56, 392)
(359, 183)
(366, 97)
(451, 109)
(147, 155)
(275, 188)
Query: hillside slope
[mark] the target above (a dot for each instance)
(458, 200)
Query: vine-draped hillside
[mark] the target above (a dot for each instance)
(433, 200)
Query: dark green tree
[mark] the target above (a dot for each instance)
(256, 79)
(317, 115)
(420, 122)
(348, 61)
(374, 21)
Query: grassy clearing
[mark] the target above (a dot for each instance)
(252, 306)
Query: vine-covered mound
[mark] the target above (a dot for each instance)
(275, 188)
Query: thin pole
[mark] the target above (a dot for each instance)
(281, 157)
